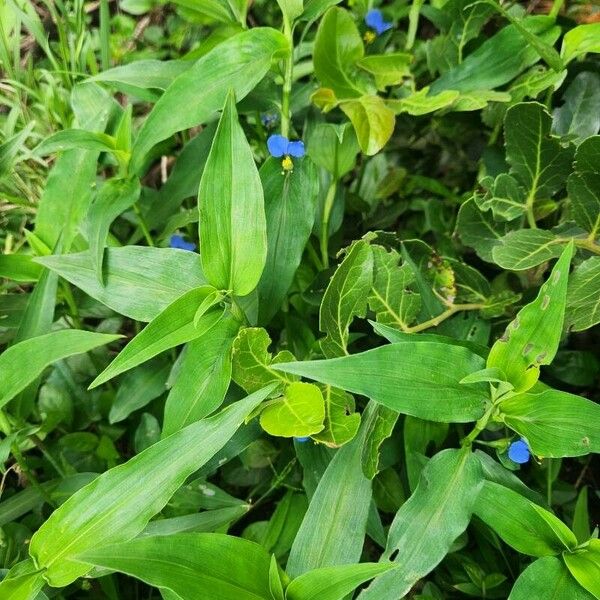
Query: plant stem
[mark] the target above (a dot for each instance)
(479, 426)
(549, 483)
(104, 35)
(556, 6)
(287, 79)
(327, 207)
(413, 23)
(143, 225)
(435, 321)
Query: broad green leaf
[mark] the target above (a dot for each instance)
(421, 103)
(233, 230)
(526, 248)
(345, 298)
(427, 524)
(498, 59)
(138, 388)
(139, 282)
(315, 8)
(291, 9)
(237, 64)
(298, 413)
(387, 69)
(22, 587)
(333, 530)
(253, 363)
(116, 506)
(203, 377)
(19, 267)
(580, 40)
(338, 46)
(379, 428)
(341, 422)
(547, 577)
(532, 338)
(390, 298)
(554, 423)
(144, 74)
(505, 197)
(290, 206)
(584, 565)
(333, 147)
(68, 139)
(373, 122)
(193, 565)
(114, 197)
(579, 115)
(333, 583)
(583, 308)
(24, 362)
(172, 327)
(523, 525)
(418, 379)
(584, 186)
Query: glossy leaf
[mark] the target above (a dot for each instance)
(526, 248)
(584, 565)
(233, 236)
(580, 40)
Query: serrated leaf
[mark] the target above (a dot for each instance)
(341, 422)
(252, 361)
(554, 423)
(583, 306)
(298, 413)
(390, 298)
(345, 298)
(532, 338)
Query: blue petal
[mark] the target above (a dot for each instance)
(519, 452)
(374, 18)
(277, 145)
(384, 27)
(302, 439)
(296, 149)
(178, 242)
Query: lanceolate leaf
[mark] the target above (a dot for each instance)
(117, 505)
(22, 363)
(425, 527)
(198, 93)
(532, 338)
(419, 379)
(173, 326)
(193, 565)
(345, 298)
(233, 237)
(203, 376)
(554, 423)
(139, 282)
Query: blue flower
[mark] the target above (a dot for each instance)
(302, 439)
(269, 119)
(177, 241)
(279, 146)
(374, 20)
(519, 452)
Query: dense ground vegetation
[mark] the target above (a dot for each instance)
(299, 299)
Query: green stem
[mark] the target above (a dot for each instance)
(143, 225)
(327, 208)
(549, 483)
(556, 6)
(413, 23)
(287, 80)
(70, 300)
(479, 426)
(435, 321)
(104, 35)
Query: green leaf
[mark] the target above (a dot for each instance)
(390, 298)
(11, 148)
(547, 577)
(498, 59)
(341, 422)
(203, 376)
(114, 197)
(117, 505)
(421, 103)
(387, 69)
(345, 298)
(172, 327)
(579, 116)
(291, 9)
(139, 282)
(333, 147)
(298, 413)
(290, 206)
(523, 525)
(252, 361)
(526, 248)
(19, 267)
(22, 582)
(505, 197)
(584, 184)
(427, 524)
(144, 74)
(583, 308)
(33, 355)
(418, 436)
(584, 565)
(338, 46)
(69, 139)
(373, 122)
(554, 423)
(238, 63)
(532, 338)
(581, 516)
(233, 230)
(333, 530)
(379, 428)
(193, 565)
(419, 379)
(580, 40)
(332, 583)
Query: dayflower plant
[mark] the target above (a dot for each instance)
(375, 21)
(178, 241)
(518, 452)
(279, 146)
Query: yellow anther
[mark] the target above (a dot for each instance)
(369, 37)
(287, 163)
